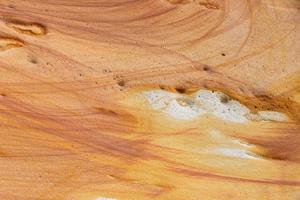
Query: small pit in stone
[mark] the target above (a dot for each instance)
(162, 87)
(225, 99)
(11, 6)
(121, 83)
(206, 68)
(180, 90)
(33, 60)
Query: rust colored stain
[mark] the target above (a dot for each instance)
(10, 43)
(209, 4)
(33, 29)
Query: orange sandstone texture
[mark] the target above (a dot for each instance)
(150, 99)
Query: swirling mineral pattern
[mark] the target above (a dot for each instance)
(149, 99)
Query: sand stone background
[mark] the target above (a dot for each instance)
(98, 99)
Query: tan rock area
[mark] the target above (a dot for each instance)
(149, 99)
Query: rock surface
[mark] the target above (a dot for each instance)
(149, 99)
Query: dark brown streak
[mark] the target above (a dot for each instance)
(109, 145)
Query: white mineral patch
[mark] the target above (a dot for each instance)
(229, 146)
(205, 101)
(217, 136)
(268, 116)
(242, 143)
(239, 153)
(221, 106)
(178, 110)
(159, 99)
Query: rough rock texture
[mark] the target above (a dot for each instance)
(149, 99)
